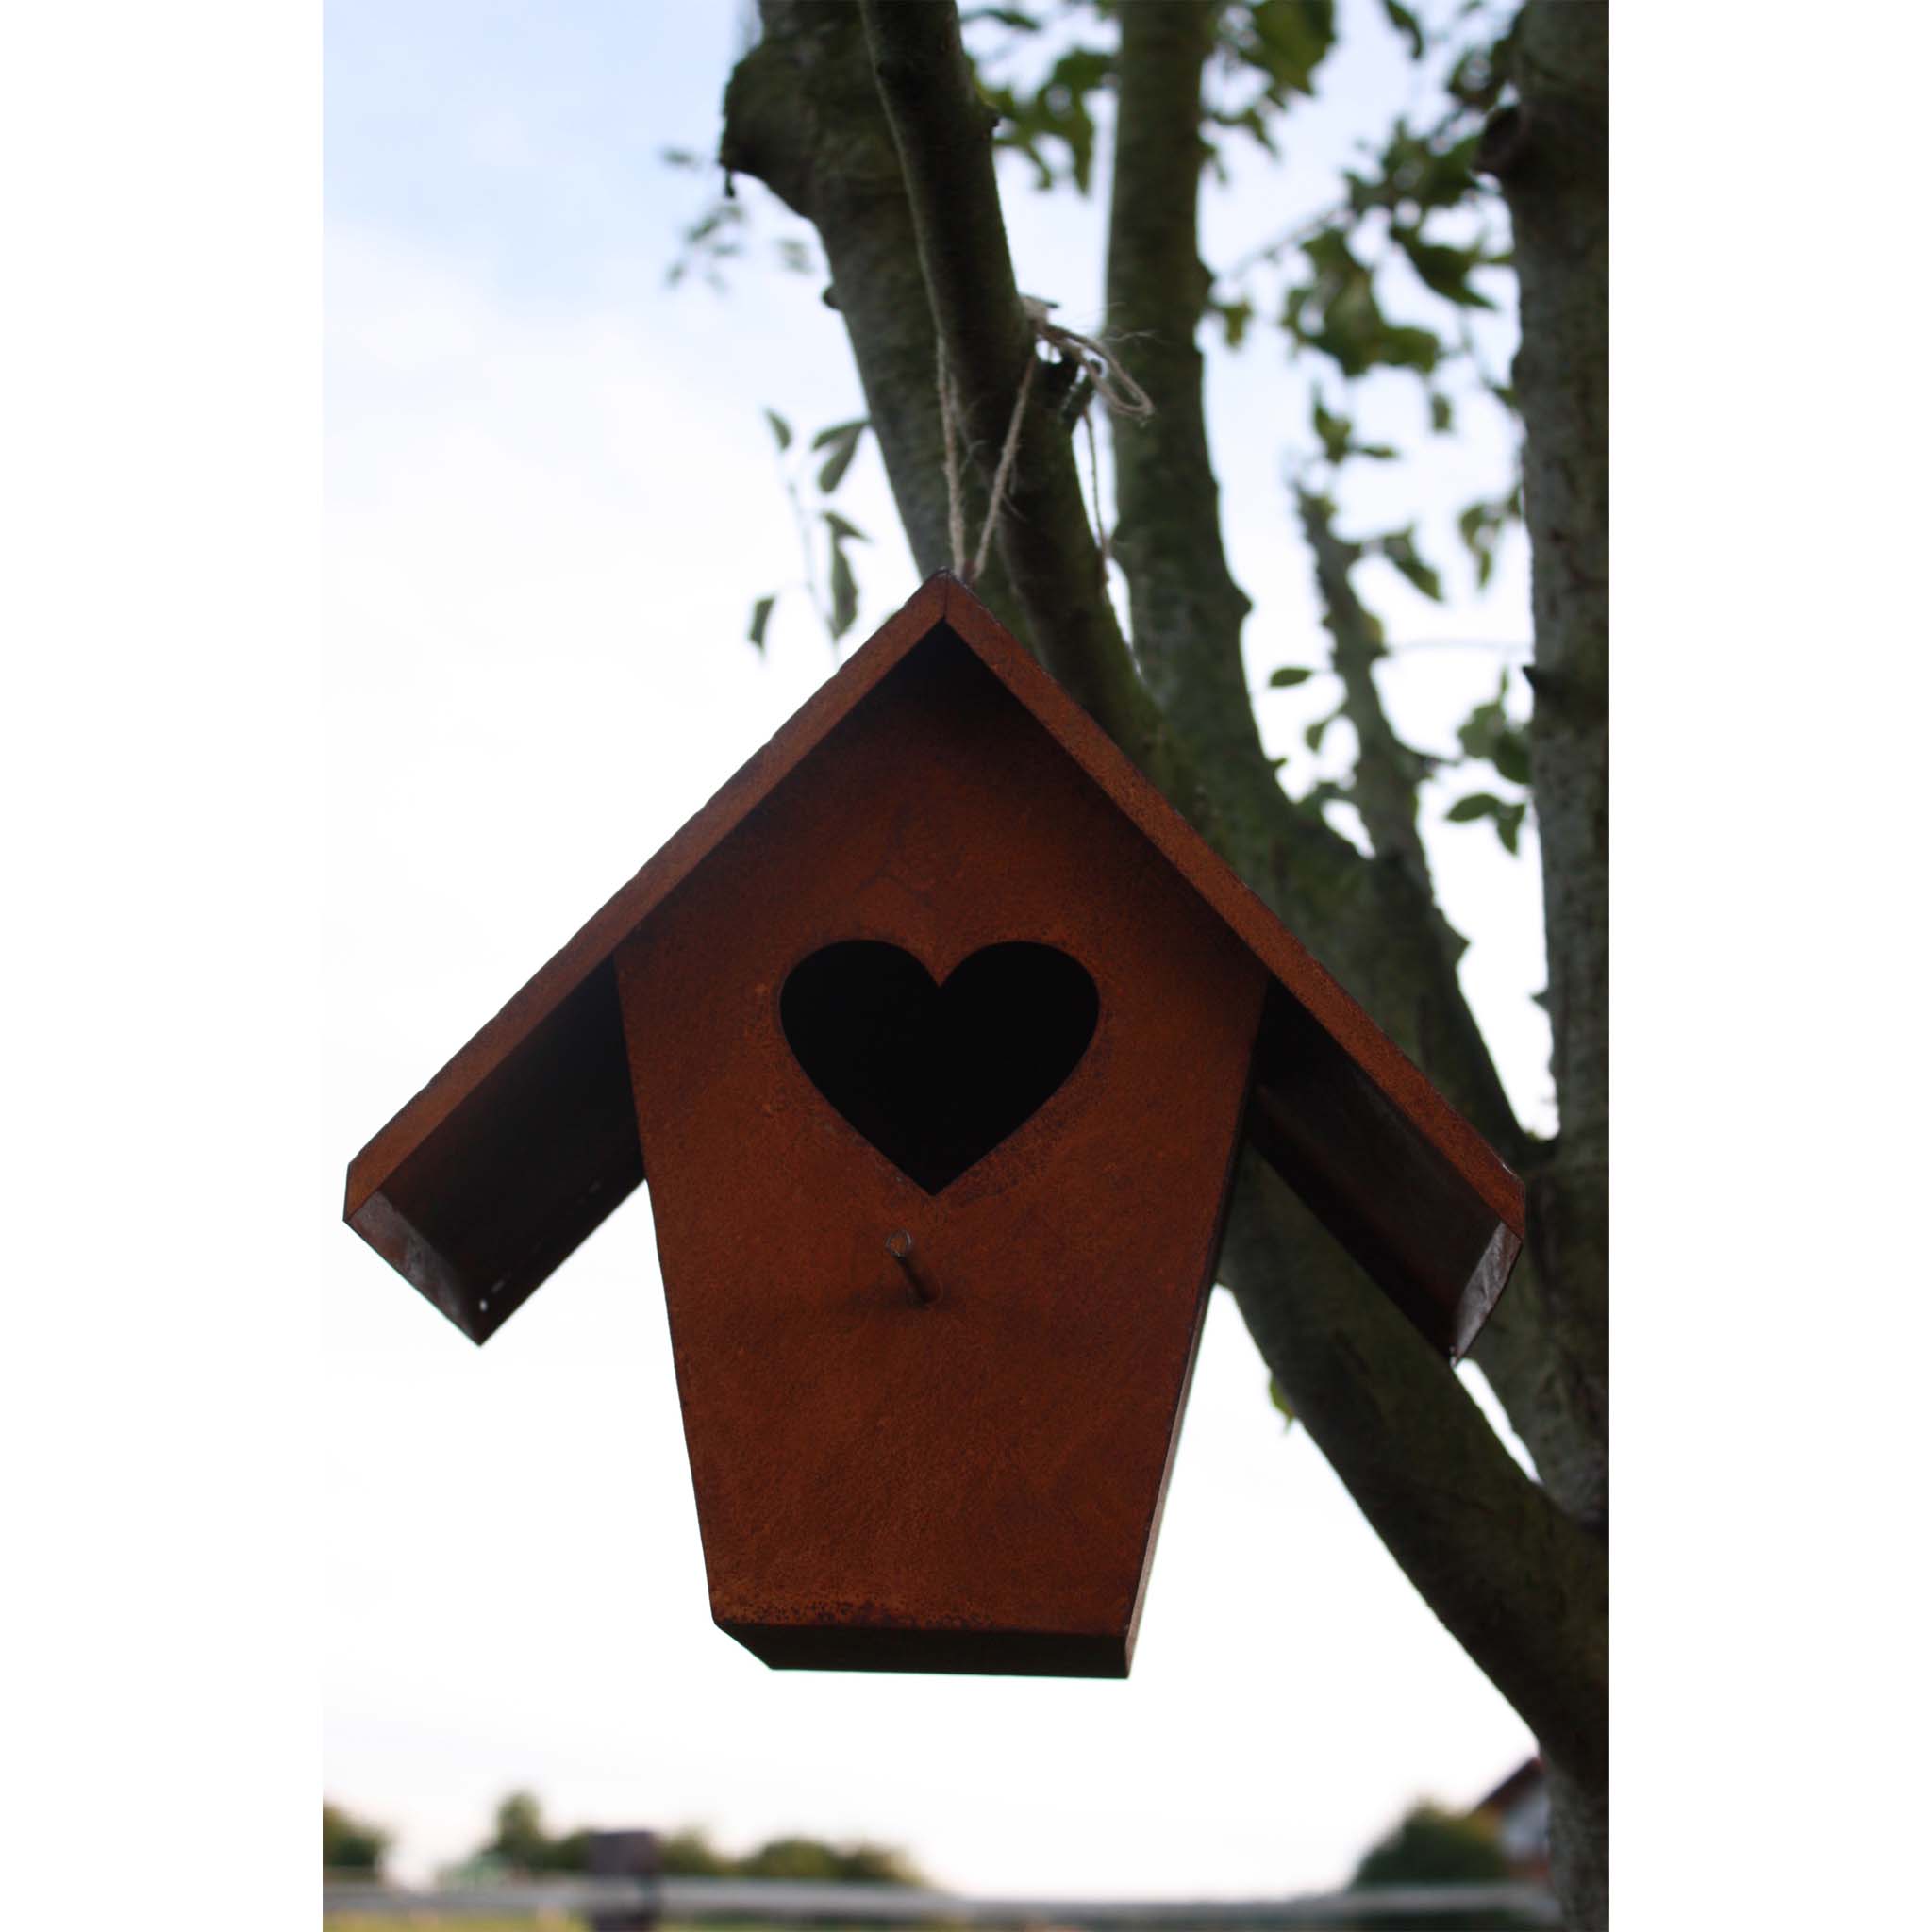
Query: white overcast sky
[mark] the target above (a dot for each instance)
(550, 502)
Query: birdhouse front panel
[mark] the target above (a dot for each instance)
(940, 1069)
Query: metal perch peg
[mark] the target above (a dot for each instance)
(920, 1289)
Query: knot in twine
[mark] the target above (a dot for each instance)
(1117, 389)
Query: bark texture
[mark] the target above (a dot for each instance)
(1551, 155)
(1550, 152)
(1186, 608)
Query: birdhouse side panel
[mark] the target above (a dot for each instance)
(499, 1193)
(952, 1459)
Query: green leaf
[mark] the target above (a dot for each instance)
(1252, 119)
(842, 528)
(1417, 175)
(1482, 525)
(1511, 754)
(1281, 1401)
(844, 592)
(780, 428)
(1399, 549)
(840, 441)
(1506, 815)
(1006, 16)
(1401, 347)
(1286, 40)
(1005, 135)
(1476, 79)
(761, 616)
(1448, 176)
(1441, 412)
(1328, 249)
(1287, 677)
(1072, 122)
(1337, 313)
(839, 432)
(1406, 25)
(1490, 733)
(1057, 111)
(1335, 432)
(1234, 318)
(1337, 439)
(1445, 271)
(1314, 735)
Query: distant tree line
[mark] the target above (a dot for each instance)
(522, 1843)
(689, 1854)
(350, 1843)
(1428, 1846)
(1431, 1846)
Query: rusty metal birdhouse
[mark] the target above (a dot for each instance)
(937, 1033)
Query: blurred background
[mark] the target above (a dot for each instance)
(554, 494)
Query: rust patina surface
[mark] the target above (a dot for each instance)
(937, 1032)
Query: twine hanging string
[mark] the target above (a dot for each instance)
(1099, 515)
(1105, 377)
(955, 503)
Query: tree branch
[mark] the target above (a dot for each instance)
(802, 115)
(1186, 608)
(1377, 930)
(944, 136)
(1551, 155)
(1521, 1586)
(1386, 771)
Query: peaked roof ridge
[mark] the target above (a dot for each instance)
(943, 597)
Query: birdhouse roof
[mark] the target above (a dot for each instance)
(520, 1146)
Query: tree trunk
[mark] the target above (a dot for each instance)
(1550, 152)
(1500, 1560)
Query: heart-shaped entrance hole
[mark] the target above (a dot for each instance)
(937, 1076)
